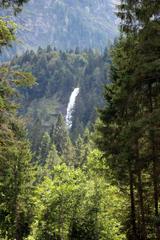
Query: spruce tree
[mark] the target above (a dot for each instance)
(44, 149)
(129, 130)
(60, 137)
(15, 160)
(15, 156)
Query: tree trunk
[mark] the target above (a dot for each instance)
(156, 193)
(140, 194)
(141, 204)
(132, 199)
(154, 169)
(16, 202)
(17, 224)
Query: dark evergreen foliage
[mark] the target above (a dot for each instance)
(74, 191)
(57, 74)
(129, 129)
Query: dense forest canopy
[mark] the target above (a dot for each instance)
(131, 116)
(57, 74)
(99, 179)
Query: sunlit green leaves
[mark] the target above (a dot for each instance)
(7, 31)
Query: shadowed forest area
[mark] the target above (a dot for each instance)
(80, 127)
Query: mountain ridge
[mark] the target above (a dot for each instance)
(66, 24)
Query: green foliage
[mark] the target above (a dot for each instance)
(16, 173)
(128, 132)
(61, 139)
(53, 158)
(57, 74)
(80, 192)
(44, 149)
(7, 30)
(73, 204)
(16, 180)
(83, 146)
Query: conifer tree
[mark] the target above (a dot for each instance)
(129, 129)
(53, 158)
(44, 148)
(61, 139)
(15, 156)
(15, 159)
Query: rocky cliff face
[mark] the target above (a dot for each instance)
(67, 24)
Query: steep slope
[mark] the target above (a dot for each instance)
(67, 24)
(58, 74)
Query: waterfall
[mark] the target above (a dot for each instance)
(70, 107)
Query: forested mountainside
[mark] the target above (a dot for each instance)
(66, 24)
(101, 184)
(57, 74)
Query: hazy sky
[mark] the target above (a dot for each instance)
(115, 1)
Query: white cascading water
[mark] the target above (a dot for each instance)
(70, 107)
